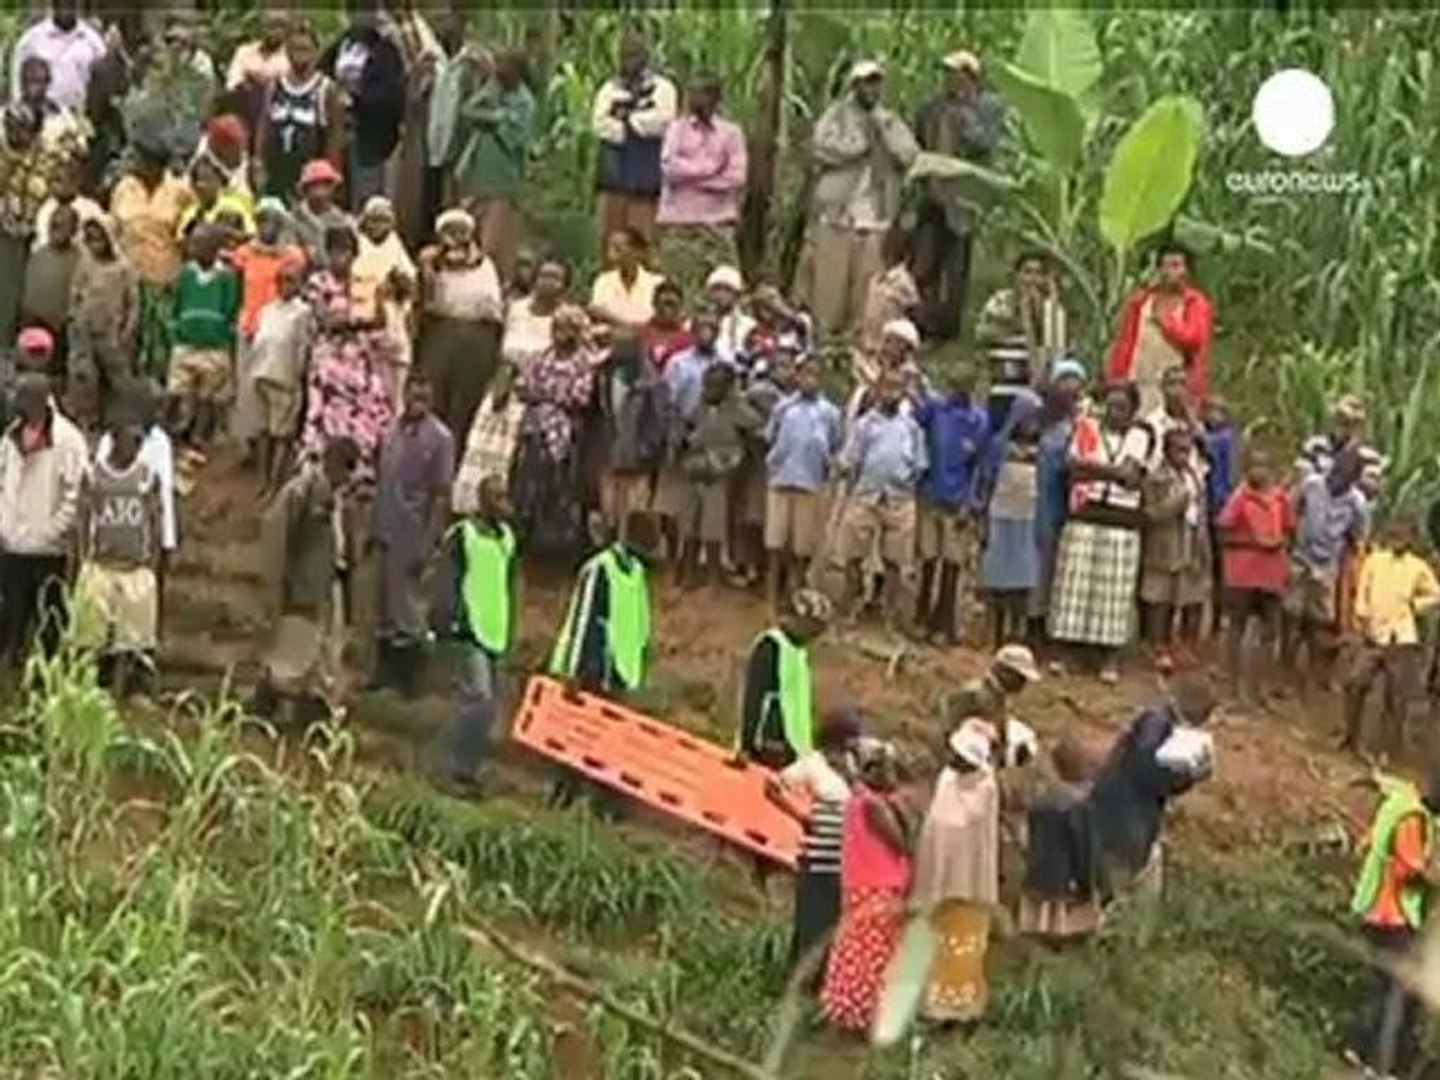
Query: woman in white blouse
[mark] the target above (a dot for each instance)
(528, 318)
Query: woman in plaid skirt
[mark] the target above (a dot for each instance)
(1092, 602)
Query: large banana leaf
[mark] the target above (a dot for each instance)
(1052, 118)
(1059, 50)
(965, 182)
(1150, 174)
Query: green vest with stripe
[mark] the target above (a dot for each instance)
(485, 589)
(792, 692)
(1401, 800)
(627, 622)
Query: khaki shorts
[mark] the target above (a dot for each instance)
(794, 521)
(623, 494)
(943, 534)
(202, 374)
(888, 523)
(1312, 595)
(279, 409)
(120, 605)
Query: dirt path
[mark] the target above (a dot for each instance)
(1278, 779)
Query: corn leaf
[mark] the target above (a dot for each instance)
(1151, 172)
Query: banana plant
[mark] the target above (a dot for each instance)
(1052, 85)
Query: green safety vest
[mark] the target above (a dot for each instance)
(1401, 800)
(485, 589)
(792, 693)
(627, 623)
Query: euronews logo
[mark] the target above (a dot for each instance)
(1294, 117)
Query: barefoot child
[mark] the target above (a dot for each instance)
(1254, 527)
(710, 455)
(207, 305)
(1396, 585)
(1175, 546)
(279, 352)
(259, 263)
(1007, 494)
(957, 428)
(804, 434)
(120, 547)
(884, 458)
(104, 305)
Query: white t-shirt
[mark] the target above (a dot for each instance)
(815, 776)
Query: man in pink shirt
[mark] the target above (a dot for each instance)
(702, 176)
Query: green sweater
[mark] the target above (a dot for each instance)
(207, 303)
(494, 130)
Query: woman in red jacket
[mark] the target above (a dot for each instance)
(1164, 325)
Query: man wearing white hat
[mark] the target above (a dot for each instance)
(1011, 670)
(964, 120)
(861, 149)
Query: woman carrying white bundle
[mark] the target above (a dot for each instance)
(1162, 754)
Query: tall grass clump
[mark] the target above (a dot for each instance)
(173, 906)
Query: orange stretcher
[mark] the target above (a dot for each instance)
(671, 770)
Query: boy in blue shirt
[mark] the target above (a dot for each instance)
(883, 459)
(804, 434)
(957, 430)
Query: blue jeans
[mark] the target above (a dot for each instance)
(476, 677)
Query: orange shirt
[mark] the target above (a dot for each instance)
(1406, 862)
(259, 269)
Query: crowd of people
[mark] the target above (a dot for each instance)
(319, 260)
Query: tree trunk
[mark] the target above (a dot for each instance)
(764, 146)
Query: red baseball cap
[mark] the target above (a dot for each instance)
(36, 339)
(319, 171)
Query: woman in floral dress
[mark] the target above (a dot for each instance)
(556, 389)
(347, 388)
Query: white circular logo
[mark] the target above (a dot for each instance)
(1294, 112)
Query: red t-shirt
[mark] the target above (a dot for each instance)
(1255, 527)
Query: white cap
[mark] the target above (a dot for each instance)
(867, 69)
(725, 277)
(962, 60)
(903, 329)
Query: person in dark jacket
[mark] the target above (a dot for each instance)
(371, 70)
(965, 120)
(630, 115)
(1135, 786)
(777, 709)
(1065, 880)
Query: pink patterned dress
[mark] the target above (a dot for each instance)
(347, 392)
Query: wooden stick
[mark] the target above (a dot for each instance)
(483, 935)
